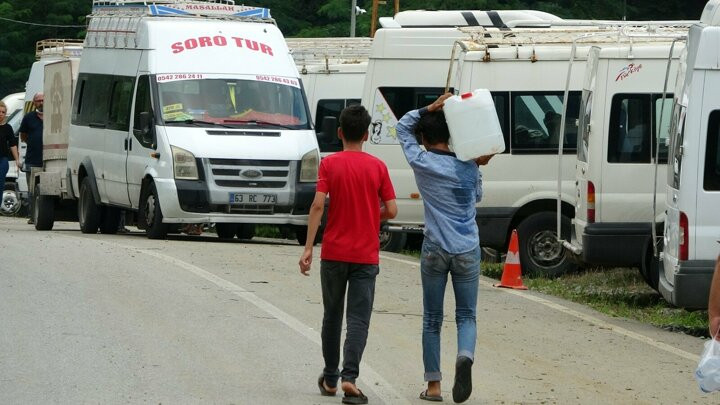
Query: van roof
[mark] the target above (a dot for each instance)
(58, 48)
(464, 18)
(434, 43)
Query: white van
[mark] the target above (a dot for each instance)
(525, 70)
(332, 72)
(615, 164)
(692, 228)
(10, 199)
(189, 112)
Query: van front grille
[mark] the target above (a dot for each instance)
(250, 173)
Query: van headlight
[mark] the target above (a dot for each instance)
(309, 167)
(184, 165)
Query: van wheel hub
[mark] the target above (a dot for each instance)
(10, 203)
(545, 249)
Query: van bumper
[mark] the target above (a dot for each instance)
(615, 243)
(690, 287)
(189, 202)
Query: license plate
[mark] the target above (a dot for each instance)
(252, 198)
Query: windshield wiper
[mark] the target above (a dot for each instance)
(196, 122)
(259, 122)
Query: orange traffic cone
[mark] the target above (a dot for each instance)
(512, 271)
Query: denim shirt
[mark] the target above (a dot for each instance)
(450, 188)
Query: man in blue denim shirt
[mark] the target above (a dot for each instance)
(450, 189)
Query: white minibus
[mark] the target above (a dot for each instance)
(692, 228)
(189, 112)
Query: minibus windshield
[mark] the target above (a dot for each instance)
(256, 101)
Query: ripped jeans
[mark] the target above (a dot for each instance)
(435, 265)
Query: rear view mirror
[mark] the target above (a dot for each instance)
(329, 130)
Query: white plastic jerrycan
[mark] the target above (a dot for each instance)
(474, 126)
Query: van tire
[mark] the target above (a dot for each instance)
(226, 231)
(650, 266)
(154, 227)
(110, 220)
(539, 253)
(245, 231)
(43, 210)
(392, 241)
(88, 209)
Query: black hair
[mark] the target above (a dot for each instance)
(354, 121)
(432, 128)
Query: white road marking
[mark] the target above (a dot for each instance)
(585, 317)
(382, 389)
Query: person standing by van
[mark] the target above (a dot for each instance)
(450, 188)
(8, 145)
(356, 183)
(31, 132)
(714, 301)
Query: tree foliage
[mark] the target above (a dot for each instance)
(307, 18)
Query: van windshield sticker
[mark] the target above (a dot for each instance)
(172, 107)
(383, 122)
(174, 77)
(221, 41)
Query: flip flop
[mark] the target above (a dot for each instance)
(355, 399)
(323, 391)
(433, 398)
(463, 379)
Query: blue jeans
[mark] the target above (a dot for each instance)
(435, 264)
(4, 167)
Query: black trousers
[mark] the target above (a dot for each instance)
(359, 282)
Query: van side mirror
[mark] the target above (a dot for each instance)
(329, 130)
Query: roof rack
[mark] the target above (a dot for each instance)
(618, 32)
(58, 47)
(179, 8)
(329, 51)
(114, 24)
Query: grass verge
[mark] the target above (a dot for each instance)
(618, 292)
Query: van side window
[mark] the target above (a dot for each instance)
(77, 102)
(536, 119)
(661, 125)
(629, 131)
(711, 178)
(142, 104)
(501, 100)
(404, 99)
(330, 108)
(94, 106)
(120, 100)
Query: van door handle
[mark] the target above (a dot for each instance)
(125, 144)
(129, 141)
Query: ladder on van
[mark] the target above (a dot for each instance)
(114, 24)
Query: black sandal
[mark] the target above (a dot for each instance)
(433, 398)
(355, 399)
(323, 391)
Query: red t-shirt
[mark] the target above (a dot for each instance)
(356, 183)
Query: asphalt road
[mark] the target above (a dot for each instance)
(124, 319)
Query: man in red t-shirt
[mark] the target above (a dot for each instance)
(356, 184)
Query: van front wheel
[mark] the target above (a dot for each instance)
(154, 226)
(540, 252)
(88, 209)
(43, 210)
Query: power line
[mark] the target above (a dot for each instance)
(42, 25)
